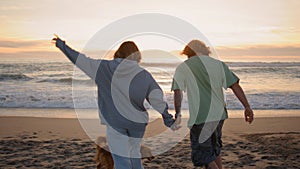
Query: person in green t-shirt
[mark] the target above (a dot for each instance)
(204, 79)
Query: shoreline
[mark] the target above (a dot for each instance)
(14, 125)
(93, 113)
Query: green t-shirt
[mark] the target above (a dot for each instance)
(204, 78)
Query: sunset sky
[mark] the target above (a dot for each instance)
(258, 28)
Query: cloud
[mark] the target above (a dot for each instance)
(22, 43)
(30, 54)
(23, 48)
(260, 50)
(10, 8)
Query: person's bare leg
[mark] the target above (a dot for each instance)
(212, 165)
(218, 161)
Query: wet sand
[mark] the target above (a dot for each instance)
(62, 143)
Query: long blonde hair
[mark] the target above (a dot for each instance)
(196, 47)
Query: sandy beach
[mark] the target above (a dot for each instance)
(36, 142)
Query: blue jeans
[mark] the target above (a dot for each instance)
(125, 146)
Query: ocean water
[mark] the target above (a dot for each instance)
(36, 84)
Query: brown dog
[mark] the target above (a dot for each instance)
(104, 159)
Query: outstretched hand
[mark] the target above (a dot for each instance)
(55, 39)
(176, 125)
(249, 116)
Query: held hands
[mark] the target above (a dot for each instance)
(176, 125)
(249, 116)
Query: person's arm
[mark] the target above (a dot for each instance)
(156, 98)
(177, 105)
(177, 102)
(239, 93)
(178, 85)
(87, 65)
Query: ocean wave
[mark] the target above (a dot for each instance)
(159, 65)
(36, 67)
(49, 84)
(19, 76)
(64, 99)
(263, 64)
(230, 64)
(273, 70)
(59, 74)
(69, 80)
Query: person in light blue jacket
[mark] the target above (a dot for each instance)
(123, 86)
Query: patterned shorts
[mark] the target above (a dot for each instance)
(206, 142)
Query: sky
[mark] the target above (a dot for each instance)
(233, 27)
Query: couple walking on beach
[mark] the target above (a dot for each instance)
(123, 86)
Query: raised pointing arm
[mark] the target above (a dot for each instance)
(87, 65)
